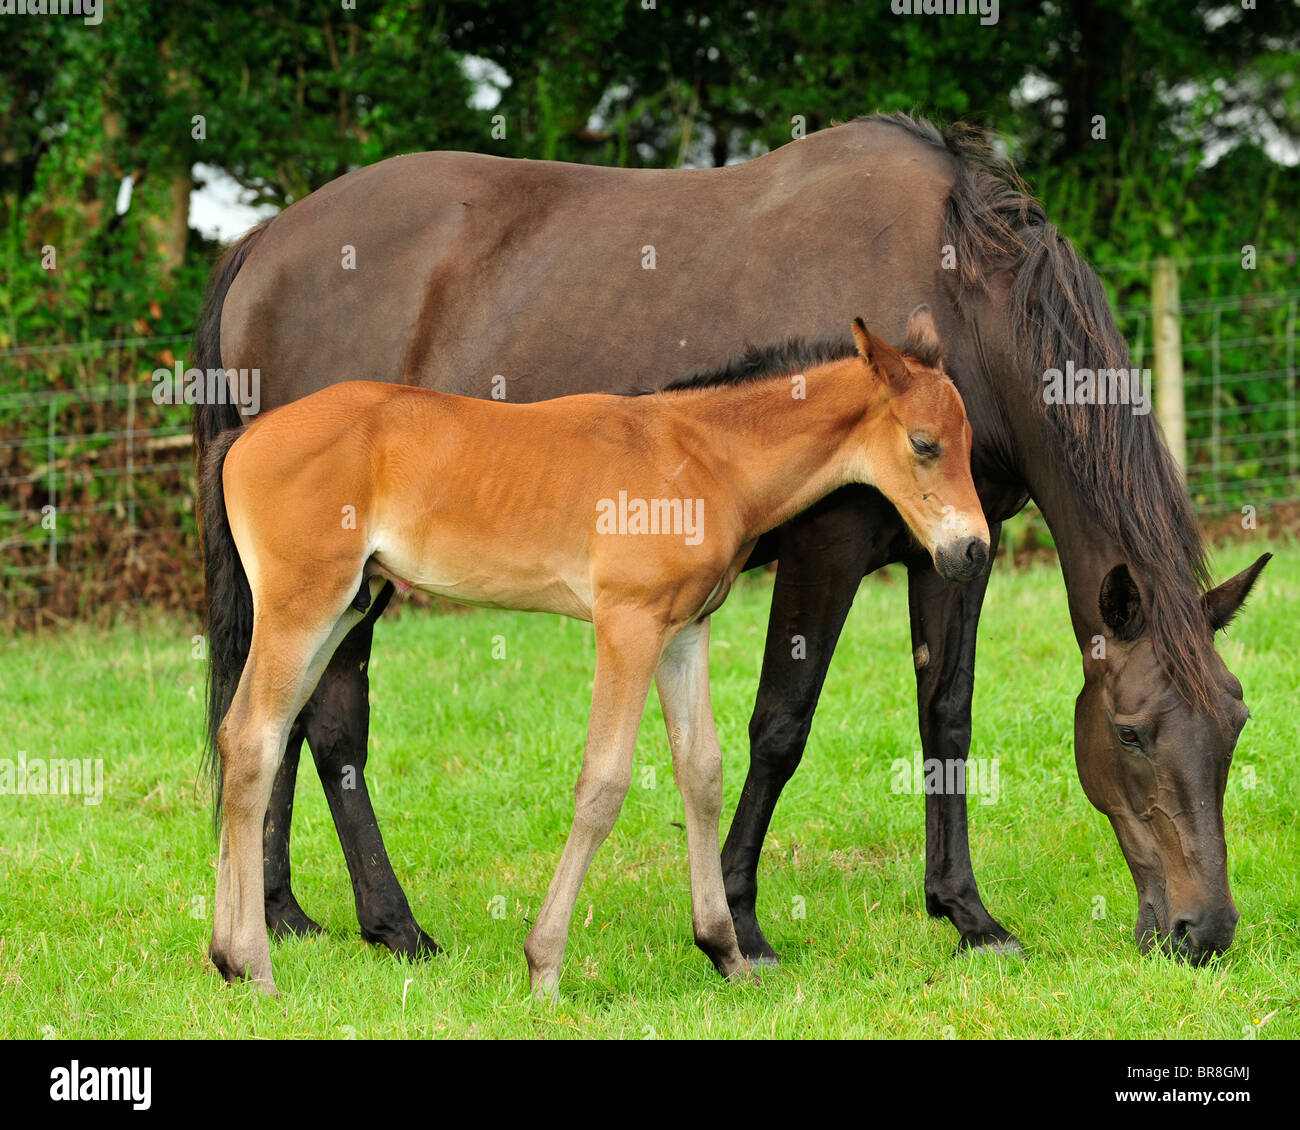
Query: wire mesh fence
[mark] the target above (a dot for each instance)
(97, 478)
(96, 482)
(1237, 326)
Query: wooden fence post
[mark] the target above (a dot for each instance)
(1167, 326)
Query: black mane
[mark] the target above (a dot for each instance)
(1058, 309)
(760, 363)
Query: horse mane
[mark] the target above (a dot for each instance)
(759, 363)
(1058, 309)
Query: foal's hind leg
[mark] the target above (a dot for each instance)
(284, 661)
(683, 680)
(627, 650)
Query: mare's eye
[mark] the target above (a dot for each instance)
(924, 447)
(1128, 736)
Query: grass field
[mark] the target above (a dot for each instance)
(105, 917)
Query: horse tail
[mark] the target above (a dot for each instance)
(230, 605)
(210, 420)
(229, 601)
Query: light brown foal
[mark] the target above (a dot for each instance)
(636, 513)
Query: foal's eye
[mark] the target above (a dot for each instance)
(1128, 736)
(924, 447)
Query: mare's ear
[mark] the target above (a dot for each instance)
(881, 356)
(923, 338)
(1223, 603)
(1121, 604)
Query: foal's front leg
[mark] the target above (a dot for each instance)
(628, 645)
(683, 681)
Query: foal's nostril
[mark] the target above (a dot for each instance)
(962, 559)
(975, 553)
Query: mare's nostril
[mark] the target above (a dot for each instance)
(1182, 938)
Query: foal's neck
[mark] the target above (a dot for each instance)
(785, 442)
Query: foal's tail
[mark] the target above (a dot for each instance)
(230, 604)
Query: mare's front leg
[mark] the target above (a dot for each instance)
(628, 645)
(683, 681)
(823, 554)
(944, 618)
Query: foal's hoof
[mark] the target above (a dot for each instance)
(242, 974)
(546, 987)
(741, 972)
(265, 987)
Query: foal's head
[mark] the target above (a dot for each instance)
(917, 448)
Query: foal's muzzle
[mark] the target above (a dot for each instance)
(962, 560)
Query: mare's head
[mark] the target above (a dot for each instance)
(917, 447)
(1157, 765)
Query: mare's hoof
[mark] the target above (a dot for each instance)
(752, 943)
(1003, 947)
(290, 922)
(411, 942)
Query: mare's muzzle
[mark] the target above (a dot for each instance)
(1193, 937)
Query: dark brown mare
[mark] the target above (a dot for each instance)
(487, 277)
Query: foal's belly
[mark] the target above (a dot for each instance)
(488, 581)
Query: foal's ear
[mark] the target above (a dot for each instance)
(923, 338)
(881, 356)
(1223, 603)
(1121, 604)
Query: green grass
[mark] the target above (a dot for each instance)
(105, 917)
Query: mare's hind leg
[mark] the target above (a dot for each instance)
(683, 681)
(284, 917)
(627, 650)
(338, 724)
(284, 661)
